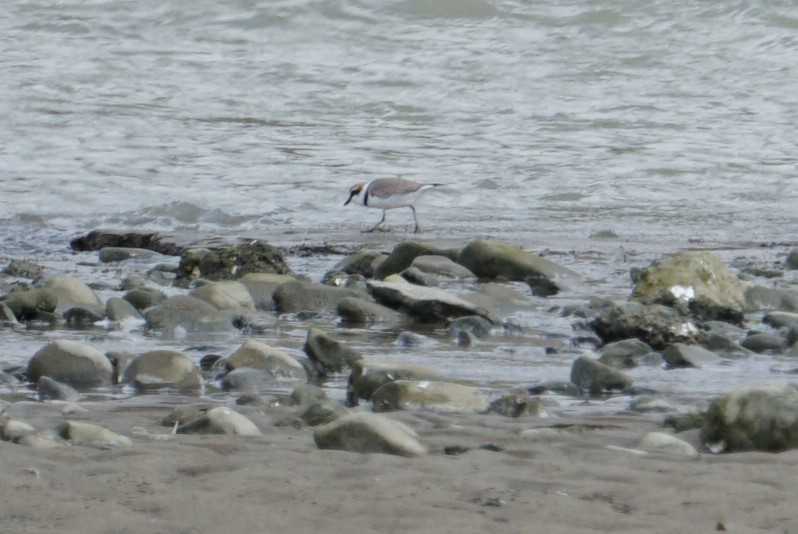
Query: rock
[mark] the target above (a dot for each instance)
(362, 311)
(322, 412)
(27, 304)
(722, 344)
(72, 292)
(115, 254)
(83, 316)
(305, 394)
(698, 279)
(71, 362)
(366, 378)
(472, 324)
(192, 314)
(555, 386)
(764, 342)
(14, 429)
(683, 355)
(595, 377)
(494, 260)
(792, 260)
(211, 362)
(684, 422)
(229, 261)
(518, 404)
(441, 266)
(220, 421)
(7, 314)
(369, 433)
(42, 440)
(660, 442)
(276, 363)
(143, 298)
(163, 368)
(780, 319)
(181, 415)
(414, 276)
(362, 262)
(328, 355)
(753, 418)
(99, 239)
(426, 304)
(765, 298)
(654, 324)
(245, 379)
(49, 389)
(261, 287)
(403, 254)
(119, 310)
(80, 433)
(408, 340)
(299, 296)
(119, 361)
(439, 396)
(24, 269)
(624, 353)
(649, 404)
(227, 295)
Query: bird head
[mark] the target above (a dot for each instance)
(354, 191)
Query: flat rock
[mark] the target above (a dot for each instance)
(261, 287)
(82, 433)
(369, 433)
(163, 368)
(763, 418)
(192, 314)
(698, 279)
(226, 295)
(361, 311)
(425, 304)
(299, 296)
(765, 342)
(403, 254)
(780, 319)
(71, 362)
(117, 254)
(625, 353)
(441, 266)
(683, 355)
(277, 363)
(220, 420)
(436, 395)
(366, 378)
(594, 377)
(327, 354)
(363, 262)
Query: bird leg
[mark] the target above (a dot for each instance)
(415, 219)
(376, 225)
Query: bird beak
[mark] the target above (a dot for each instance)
(351, 196)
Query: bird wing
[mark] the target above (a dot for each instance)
(385, 187)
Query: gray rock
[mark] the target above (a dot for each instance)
(226, 295)
(70, 292)
(143, 298)
(495, 260)
(299, 296)
(183, 414)
(276, 363)
(328, 355)
(662, 443)
(650, 404)
(81, 433)
(83, 316)
(49, 389)
(753, 418)
(792, 260)
(220, 421)
(119, 310)
(362, 262)
(518, 404)
(780, 319)
(27, 304)
(366, 378)
(229, 261)
(14, 429)
(765, 342)
(722, 344)
(425, 304)
(262, 286)
(246, 380)
(71, 362)
(698, 279)
(414, 276)
(654, 324)
(625, 353)
(322, 412)
(42, 440)
(441, 266)
(472, 324)
(99, 239)
(424, 394)
(163, 368)
(403, 254)
(683, 355)
(305, 394)
(369, 433)
(189, 313)
(24, 269)
(595, 377)
(765, 298)
(362, 311)
(116, 254)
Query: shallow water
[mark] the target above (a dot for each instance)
(670, 125)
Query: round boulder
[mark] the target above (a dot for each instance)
(276, 363)
(71, 362)
(163, 368)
